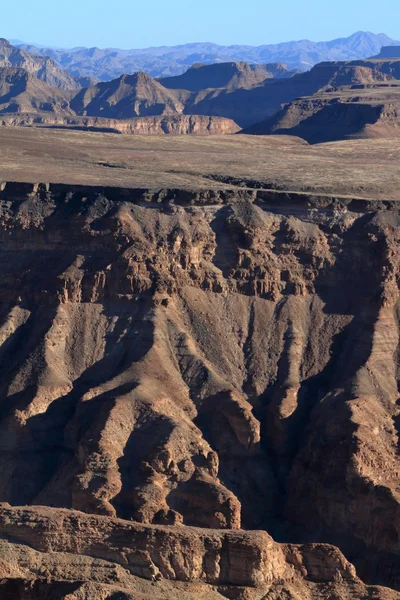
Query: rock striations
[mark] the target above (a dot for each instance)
(180, 369)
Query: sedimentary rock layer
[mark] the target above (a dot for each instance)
(41, 545)
(173, 124)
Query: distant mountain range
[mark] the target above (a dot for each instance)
(332, 100)
(165, 61)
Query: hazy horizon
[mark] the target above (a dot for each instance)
(40, 43)
(93, 24)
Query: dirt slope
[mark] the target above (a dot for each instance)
(282, 163)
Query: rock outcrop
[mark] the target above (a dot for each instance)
(22, 93)
(253, 104)
(131, 105)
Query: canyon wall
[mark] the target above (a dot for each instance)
(217, 360)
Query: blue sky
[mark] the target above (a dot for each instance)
(132, 24)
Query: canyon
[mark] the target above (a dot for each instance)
(199, 392)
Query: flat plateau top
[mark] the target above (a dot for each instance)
(367, 168)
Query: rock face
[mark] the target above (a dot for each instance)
(44, 550)
(223, 360)
(163, 125)
(119, 106)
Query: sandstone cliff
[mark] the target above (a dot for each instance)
(162, 125)
(223, 360)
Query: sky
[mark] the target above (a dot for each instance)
(133, 24)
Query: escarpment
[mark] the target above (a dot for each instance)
(204, 365)
(159, 125)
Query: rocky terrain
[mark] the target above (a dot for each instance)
(360, 100)
(116, 106)
(128, 96)
(199, 392)
(110, 63)
(127, 561)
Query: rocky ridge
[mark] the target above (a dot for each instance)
(42, 67)
(356, 111)
(232, 76)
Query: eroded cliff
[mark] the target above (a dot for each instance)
(224, 360)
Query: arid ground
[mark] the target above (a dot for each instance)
(359, 168)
